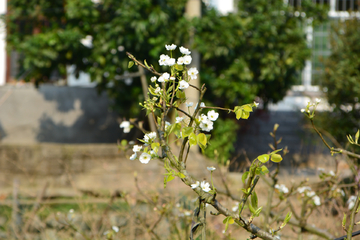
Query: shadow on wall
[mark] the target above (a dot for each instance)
(2, 132)
(82, 116)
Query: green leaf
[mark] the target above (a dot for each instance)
(192, 139)
(131, 63)
(146, 64)
(170, 178)
(247, 108)
(344, 221)
(181, 175)
(238, 114)
(264, 158)
(186, 131)
(252, 209)
(275, 151)
(254, 199)
(258, 211)
(245, 115)
(288, 217)
(264, 170)
(357, 136)
(276, 158)
(244, 176)
(201, 140)
(228, 220)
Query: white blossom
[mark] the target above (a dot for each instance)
(180, 61)
(303, 189)
(170, 61)
(195, 185)
(212, 115)
(201, 105)
(170, 47)
(206, 126)
(316, 200)
(190, 104)
(179, 119)
(145, 158)
(351, 202)
(282, 188)
(133, 157)
(167, 124)
(157, 90)
(256, 104)
(115, 228)
(126, 126)
(153, 79)
(317, 100)
(137, 148)
(193, 73)
(161, 79)
(187, 59)
(163, 59)
(205, 186)
(172, 78)
(203, 118)
(211, 169)
(149, 137)
(235, 208)
(183, 84)
(184, 50)
(310, 194)
(302, 110)
(332, 173)
(166, 76)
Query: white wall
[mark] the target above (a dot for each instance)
(2, 45)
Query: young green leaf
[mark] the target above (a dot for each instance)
(186, 131)
(201, 140)
(263, 158)
(131, 63)
(192, 139)
(264, 170)
(276, 158)
(254, 199)
(244, 176)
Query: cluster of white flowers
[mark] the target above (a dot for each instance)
(282, 188)
(149, 137)
(205, 186)
(126, 126)
(207, 121)
(311, 194)
(144, 157)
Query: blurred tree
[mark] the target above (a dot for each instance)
(258, 51)
(94, 37)
(342, 80)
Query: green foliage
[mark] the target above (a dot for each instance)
(259, 51)
(48, 34)
(341, 79)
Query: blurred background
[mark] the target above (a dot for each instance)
(65, 86)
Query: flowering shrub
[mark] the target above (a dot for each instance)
(192, 127)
